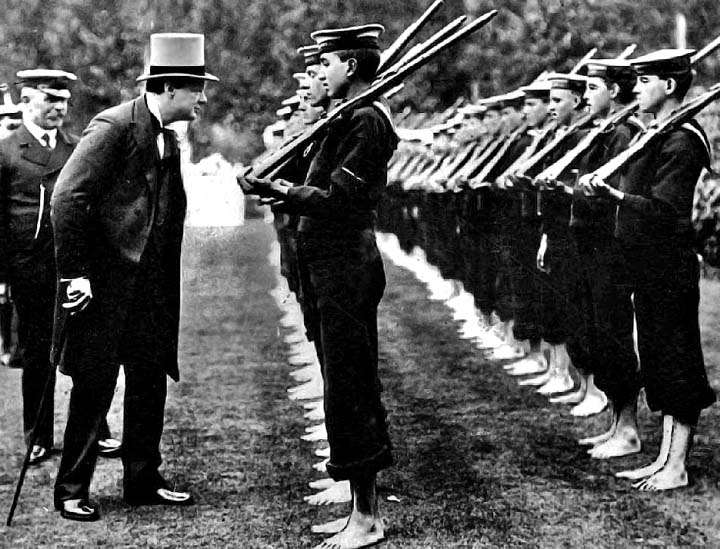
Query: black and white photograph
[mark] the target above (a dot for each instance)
(336, 274)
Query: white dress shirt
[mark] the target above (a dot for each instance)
(37, 132)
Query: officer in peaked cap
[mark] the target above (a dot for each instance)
(30, 162)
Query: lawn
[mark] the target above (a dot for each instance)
(480, 461)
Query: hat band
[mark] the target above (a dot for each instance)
(369, 42)
(195, 70)
(312, 60)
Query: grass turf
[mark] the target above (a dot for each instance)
(480, 461)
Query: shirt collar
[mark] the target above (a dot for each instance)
(154, 107)
(37, 132)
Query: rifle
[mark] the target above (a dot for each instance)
(389, 56)
(674, 119)
(480, 178)
(374, 91)
(549, 176)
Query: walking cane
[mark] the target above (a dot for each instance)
(31, 442)
(33, 434)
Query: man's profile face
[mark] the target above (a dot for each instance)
(46, 110)
(598, 96)
(189, 100)
(651, 91)
(317, 95)
(334, 75)
(562, 105)
(492, 121)
(535, 110)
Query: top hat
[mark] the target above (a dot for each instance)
(349, 38)
(175, 54)
(50, 81)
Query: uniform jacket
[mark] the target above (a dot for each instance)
(28, 172)
(659, 188)
(103, 208)
(347, 175)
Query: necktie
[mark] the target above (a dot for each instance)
(46, 139)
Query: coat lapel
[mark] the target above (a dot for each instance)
(146, 142)
(59, 155)
(32, 151)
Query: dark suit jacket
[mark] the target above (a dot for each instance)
(103, 208)
(28, 172)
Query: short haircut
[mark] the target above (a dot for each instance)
(626, 85)
(157, 85)
(683, 82)
(368, 61)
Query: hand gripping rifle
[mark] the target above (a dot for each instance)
(373, 92)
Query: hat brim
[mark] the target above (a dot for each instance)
(206, 76)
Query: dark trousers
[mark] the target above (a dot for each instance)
(603, 342)
(34, 302)
(344, 281)
(143, 348)
(665, 283)
(143, 416)
(559, 311)
(526, 276)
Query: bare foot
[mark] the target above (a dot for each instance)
(356, 535)
(622, 443)
(576, 397)
(318, 414)
(536, 381)
(307, 391)
(321, 465)
(664, 479)
(527, 366)
(505, 352)
(642, 472)
(332, 527)
(337, 493)
(592, 404)
(556, 385)
(316, 435)
(323, 452)
(306, 373)
(597, 439)
(322, 484)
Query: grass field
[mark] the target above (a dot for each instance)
(480, 461)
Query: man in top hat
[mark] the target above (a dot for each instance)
(118, 210)
(653, 226)
(337, 245)
(30, 160)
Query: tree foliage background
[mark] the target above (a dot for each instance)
(251, 46)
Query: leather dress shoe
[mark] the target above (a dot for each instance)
(38, 455)
(160, 496)
(78, 509)
(109, 448)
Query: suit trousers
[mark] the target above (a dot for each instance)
(142, 351)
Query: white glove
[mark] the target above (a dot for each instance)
(78, 294)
